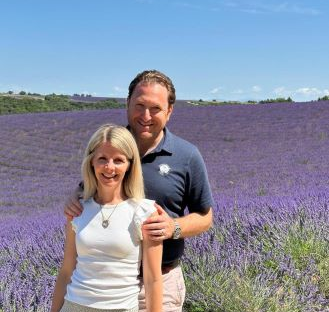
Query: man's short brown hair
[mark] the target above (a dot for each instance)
(154, 76)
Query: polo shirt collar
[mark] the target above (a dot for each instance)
(165, 144)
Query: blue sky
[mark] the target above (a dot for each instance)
(211, 49)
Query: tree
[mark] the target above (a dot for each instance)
(22, 93)
(324, 98)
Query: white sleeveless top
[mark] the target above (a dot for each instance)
(108, 259)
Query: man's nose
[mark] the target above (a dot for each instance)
(146, 114)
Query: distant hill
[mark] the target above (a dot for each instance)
(32, 103)
(122, 101)
(96, 99)
(18, 104)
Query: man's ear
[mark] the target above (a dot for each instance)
(170, 110)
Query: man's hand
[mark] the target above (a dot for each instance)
(72, 207)
(160, 227)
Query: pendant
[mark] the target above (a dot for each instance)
(105, 224)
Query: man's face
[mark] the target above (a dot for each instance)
(148, 111)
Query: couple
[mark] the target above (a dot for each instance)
(103, 245)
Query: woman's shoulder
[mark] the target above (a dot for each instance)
(147, 202)
(144, 208)
(87, 207)
(143, 204)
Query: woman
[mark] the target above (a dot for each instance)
(104, 245)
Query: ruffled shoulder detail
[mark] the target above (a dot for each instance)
(143, 210)
(75, 220)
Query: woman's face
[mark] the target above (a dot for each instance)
(110, 166)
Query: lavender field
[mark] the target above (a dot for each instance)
(268, 165)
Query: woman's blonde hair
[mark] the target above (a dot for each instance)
(120, 138)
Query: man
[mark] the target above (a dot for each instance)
(175, 177)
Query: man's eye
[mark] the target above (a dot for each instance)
(155, 110)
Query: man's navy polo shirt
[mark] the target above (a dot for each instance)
(175, 176)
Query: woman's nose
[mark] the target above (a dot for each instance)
(110, 165)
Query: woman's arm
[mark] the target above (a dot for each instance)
(152, 276)
(67, 268)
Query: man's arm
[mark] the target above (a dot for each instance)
(73, 207)
(195, 223)
(200, 203)
(162, 226)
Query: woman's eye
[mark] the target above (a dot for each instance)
(101, 160)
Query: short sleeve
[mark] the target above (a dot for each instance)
(144, 209)
(199, 197)
(75, 220)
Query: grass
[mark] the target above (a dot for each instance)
(280, 268)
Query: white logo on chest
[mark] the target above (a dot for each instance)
(164, 169)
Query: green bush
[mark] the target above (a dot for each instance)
(324, 98)
(277, 100)
(50, 103)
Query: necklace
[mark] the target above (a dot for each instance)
(105, 221)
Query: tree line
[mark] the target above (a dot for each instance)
(49, 103)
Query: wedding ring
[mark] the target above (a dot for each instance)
(162, 232)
